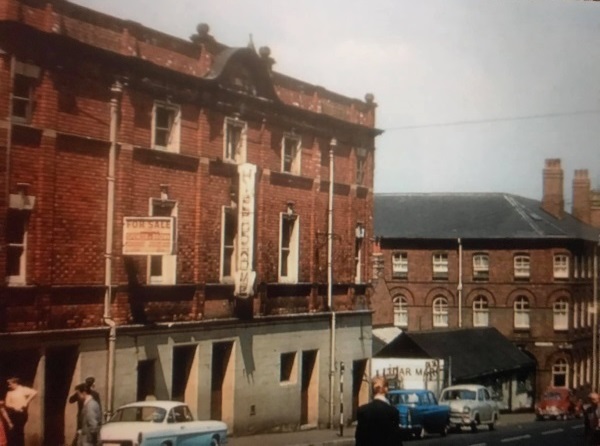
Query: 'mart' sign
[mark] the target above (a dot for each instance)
(245, 275)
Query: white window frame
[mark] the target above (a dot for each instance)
(440, 312)
(481, 266)
(522, 266)
(560, 313)
(560, 368)
(234, 153)
(575, 314)
(521, 309)
(291, 154)
(440, 265)
(18, 249)
(228, 250)
(399, 265)
(168, 274)
(173, 129)
(481, 312)
(29, 74)
(290, 253)
(561, 266)
(400, 311)
(358, 255)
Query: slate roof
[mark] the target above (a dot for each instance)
(473, 352)
(472, 216)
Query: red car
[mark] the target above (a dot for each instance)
(558, 403)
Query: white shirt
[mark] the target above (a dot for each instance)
(18, 399)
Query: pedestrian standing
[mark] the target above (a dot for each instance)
(90, 418)
(90, 383)
(74, 398)
(591, 420)
(5, 424)
(378, 422)
(17, 402)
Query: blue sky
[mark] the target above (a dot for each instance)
(473, 95)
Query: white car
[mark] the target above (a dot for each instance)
(470, 405)
(160, 423)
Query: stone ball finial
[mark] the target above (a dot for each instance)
(369, 97)
(264, 52)
(203, 29)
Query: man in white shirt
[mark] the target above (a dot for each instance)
(17, 401)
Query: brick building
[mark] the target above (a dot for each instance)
(179, 221)
(476, 260)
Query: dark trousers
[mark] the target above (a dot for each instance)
(16, 436)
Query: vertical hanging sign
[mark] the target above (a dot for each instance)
(245, 275)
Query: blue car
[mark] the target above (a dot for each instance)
(420, 412)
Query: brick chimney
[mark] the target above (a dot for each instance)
(595, 208)
(553, 201)
(581, 196)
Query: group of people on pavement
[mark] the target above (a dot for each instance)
(14, 413)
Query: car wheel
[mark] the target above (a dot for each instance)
(445, 430)
(475, 424)
(214, 442)
(492, 425)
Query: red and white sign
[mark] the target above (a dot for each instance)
(148, 236)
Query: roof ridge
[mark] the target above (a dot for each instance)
(517, 207)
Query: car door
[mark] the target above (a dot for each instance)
(485, 404)
(437, 418)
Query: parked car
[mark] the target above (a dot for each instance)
(160, 423)
(558, 403)
(420, 412)
(470, 405)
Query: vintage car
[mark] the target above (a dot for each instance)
(558, 403)
(470, 405)
(420, 412)
(160, 423)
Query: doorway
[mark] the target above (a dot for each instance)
(221, 400)
(309, 405)
(183, 359)
(146, 380)
(60, 368)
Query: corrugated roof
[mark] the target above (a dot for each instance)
(472, 216)
(472, 352)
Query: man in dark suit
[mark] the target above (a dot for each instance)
(378, 421)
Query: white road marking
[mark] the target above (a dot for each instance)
(579, 426)
(521, 437)
(554, 431)
(479, 444)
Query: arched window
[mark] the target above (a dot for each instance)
(440, 312)
(481, 312)
(560, 372)
(561, 314)
(400, 311)
(521, 310)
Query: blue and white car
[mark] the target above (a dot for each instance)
(160, 423)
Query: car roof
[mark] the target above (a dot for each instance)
(408, 390)
(465, 387)
(165, 404)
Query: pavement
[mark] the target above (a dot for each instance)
(329, 437)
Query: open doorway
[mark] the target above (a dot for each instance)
(60, 367)
(309, 409)
(183, 359)
(146, 380)
(222, 385)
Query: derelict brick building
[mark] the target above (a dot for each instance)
(179, 221)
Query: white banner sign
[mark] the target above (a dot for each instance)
(245, 275)
(147, 236)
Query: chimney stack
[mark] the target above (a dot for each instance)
(553, 201)
(581, 196)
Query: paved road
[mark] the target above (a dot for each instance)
(512, 430)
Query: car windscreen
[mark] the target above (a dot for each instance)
(458, 394)
(150, 414)
(404, 398)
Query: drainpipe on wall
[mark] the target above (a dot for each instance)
(595, 323)
(332, 145)
(460, 284)
(116, 90)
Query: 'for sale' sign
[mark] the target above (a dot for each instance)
(148, 236)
